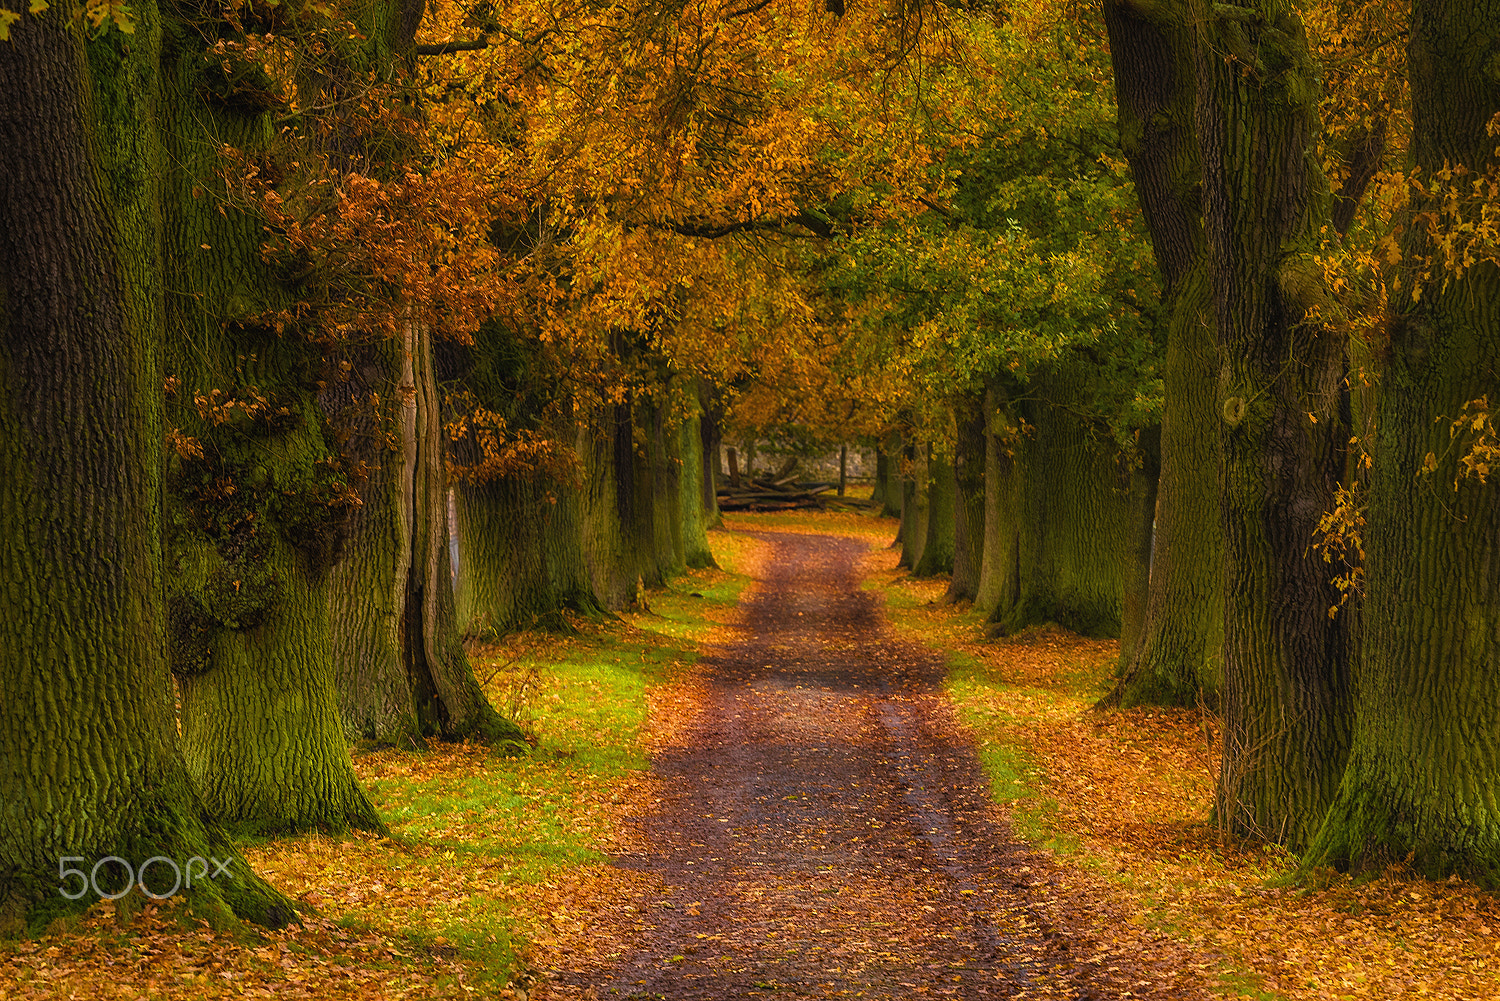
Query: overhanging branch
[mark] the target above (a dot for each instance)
(443, 48)
(713, 231)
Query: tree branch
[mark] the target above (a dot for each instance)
(704, 231)
(443, 48)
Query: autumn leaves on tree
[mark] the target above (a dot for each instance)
(1172, 322)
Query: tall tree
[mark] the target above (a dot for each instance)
(403, 675)
(262, 502)
(969, 496)
(1175, 658)
(1421, 779)
(90, 765)
(1286, 665)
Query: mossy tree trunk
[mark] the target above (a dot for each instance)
(402, 671)
(259, 517)
(937, 550)
(999, 571)
(1421, 784)
(521, 554)
(1145, 476)
(882, 473)
(916, 493)
(606, 446)
(1075, 524)
(1175, 659)
(969, 499)
(664, 442)
(891, 497)
(698, 504)
(90, 765)
(710, 439)
(1286, 695)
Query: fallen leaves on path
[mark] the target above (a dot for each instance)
(1126, 799)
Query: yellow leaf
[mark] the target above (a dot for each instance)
(7, 18)
(1430, 463)
(37, 6)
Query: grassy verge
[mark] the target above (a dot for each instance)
(493, 863)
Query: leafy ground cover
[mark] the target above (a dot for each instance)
(1124, 801)
(496, 866)
(491, 860)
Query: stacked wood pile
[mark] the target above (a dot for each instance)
(778, 491)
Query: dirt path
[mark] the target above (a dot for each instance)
(825, 830)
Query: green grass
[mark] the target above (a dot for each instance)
(477, 838)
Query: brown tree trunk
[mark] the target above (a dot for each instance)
(968, 510)
(402, 672)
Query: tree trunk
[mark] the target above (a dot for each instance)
(937, 551)
(999, 570)
(711, 439)
(969, 500)
(607, 447)
(1286, 671)
(915, 494)
(1175, 658)
(1421, 782)
(259, 517)
(1076, 526)
(882, 471)
(698, 505)
(893, 495)
(669, 544)
(402, 671)
(1144, 479)
(81, 654)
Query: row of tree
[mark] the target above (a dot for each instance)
(1157, 331)
(1274, 488)
(256, 327)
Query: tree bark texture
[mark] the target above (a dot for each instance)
(1145, 476)
(1075, 524)
(1175, 659)
(402, 671)
(261, 515)
(1421, 782)
(968, 503)
(664, 437)
(937, 551)
(916, 493)
(999, 570)
(891, 495)
(90, 765)
(521, 554)
(711, 438)
(1286, 665)
(606, 445)
(698, 506)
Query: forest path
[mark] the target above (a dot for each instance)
(825, 829)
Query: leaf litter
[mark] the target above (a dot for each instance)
(499, 880)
